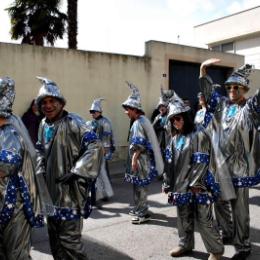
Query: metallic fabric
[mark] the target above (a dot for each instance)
(233, 132)
(134, 100)
(176, 106)
(65, 239)
(48, 89)
(73, 148)
(70, 148)
(96, 105)
(140, 200)
(22, 200)
(189, 161)
(240, 76)
(150, 163)
(160, 127)
(234, 140)
(103, 128)
(165, 97)
(186, 222)
(7, 95)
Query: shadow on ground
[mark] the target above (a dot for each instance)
(95, 249)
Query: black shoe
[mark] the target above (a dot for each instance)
(242, 255)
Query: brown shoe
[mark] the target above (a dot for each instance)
(179, 251)
(214, 256)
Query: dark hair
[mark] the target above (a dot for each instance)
(189, 125)
(138, 111)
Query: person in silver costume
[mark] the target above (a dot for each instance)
(68, 154)
(160, 123)
(189, 183)
(144, 159)
(233, 131)
(21, 200)
(102, 126)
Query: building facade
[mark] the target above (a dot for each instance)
(238, 33)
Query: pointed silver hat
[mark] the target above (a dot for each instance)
(7, 95)
(176, 106)
(165, 97)
(134, 100)
(96, 105)
(240, 76)
(49, 89)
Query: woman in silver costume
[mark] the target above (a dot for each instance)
(68, 154)
(189, 183)
(103, 128)
(233, 131)
(21, 200)
(144, 159)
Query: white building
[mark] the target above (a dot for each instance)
(238, 33)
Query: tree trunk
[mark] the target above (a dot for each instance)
(72, 23)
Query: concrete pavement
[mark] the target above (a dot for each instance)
(108, 234)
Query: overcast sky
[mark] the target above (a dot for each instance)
(123, 26)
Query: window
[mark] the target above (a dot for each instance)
(225, 47)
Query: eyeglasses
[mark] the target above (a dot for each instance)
(233, 87)
(176, 118)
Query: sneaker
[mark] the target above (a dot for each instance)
(132, 212)
(214, 256)
(140, 219)
(242, 255)
(179, 251)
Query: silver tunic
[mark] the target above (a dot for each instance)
(20, 193)
(234, 140)
(150, 164)
(103, 128)
(189, 159)
(68, 146)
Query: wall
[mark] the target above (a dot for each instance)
(83, 76)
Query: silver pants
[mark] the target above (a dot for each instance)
(187, 215)
(223, 212)
(241, 220)
(140, 200)
(15, 239)
(65, 239)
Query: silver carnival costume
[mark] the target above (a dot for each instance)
(236, 148)
(103, 128)
(189, 183)
(69, 157)
(21, 200)
(160, 122)
(142, 139)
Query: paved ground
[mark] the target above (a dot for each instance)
(109, 235)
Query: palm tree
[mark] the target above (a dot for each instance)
(37, 21)
(72, 23)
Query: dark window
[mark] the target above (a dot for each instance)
(184, 78)
(229, 46)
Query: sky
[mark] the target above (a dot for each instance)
(123, 26)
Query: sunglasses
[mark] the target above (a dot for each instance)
(176, 118)
(232, 87)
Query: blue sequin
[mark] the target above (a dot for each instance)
(10, 157)
(200, 158)
(180, 142)
(48, 133)
(249, 181)
(231, 111)
(16, 183)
